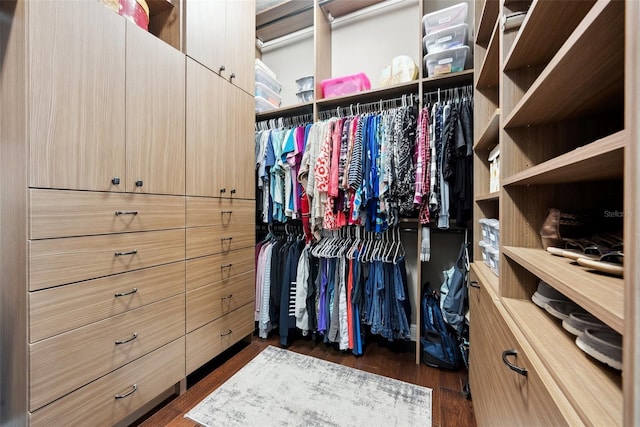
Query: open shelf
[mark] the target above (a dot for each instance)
(490, 14)
(599, 294)
(289, 111)
(486, 277)
(534, 44)
(371, 95)
(488, 197)
(600, 160)
(489, 136)
(585, 76)
(593, 389)
(338, 8)
(489, 74)
(284, 18)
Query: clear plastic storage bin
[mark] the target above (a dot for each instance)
(305, 83)
(484, 251)
(263, 105)
(443, 18)
(494, 260)
(263, 77)
(264, 92)
(447, 61)
(494, 233)
(446, 39)
(305, 96)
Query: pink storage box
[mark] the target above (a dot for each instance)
(345, 85)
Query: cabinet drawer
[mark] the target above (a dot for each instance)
(59, 261)
(61, 364)
(96, 403)
(214, 268)
(203, 241)
(204, 211)
(213, 338)
(212, 301)
(503, 396)
(62, 213)
(60, 309)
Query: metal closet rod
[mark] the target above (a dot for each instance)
(284, 122)
(449, 93)
(369, 107)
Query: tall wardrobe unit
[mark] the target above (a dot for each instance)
(558, 96)
(123, 261)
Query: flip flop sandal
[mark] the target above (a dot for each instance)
(611, 263)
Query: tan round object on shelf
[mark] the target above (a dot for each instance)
(402, 70)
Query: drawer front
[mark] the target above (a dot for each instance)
(63, 213)
(212, 339)
(202, 241)
(212, 301)
(504, 397)
(96, 402)
(60, 309)
(214, 268)
(205, 211)
(60, 261)
(65, 362)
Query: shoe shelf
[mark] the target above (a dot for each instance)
(495, 196)
(489, 73)
(488, 137)
(489, 16)
(557, 94)
(594, 390)
(535, 44)
(599, 294)
(600, 160)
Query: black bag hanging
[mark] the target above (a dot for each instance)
(439, 343)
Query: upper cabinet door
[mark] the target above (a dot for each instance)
(207, 145)
(155, 123)
(241, 43)
(205, 33)
(77, 105)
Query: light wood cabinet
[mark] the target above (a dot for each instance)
(232, 25)
(552, 95)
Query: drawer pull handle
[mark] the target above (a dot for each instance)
(122, 294)
(131, 338)
(226, 238)
(226, 212)
(519, 370)
(133, 252)
(226, 334)
(474, 284)
(226, 266)
(126, 213)
(233, 191)
(227, 297)
(128, 392)
(223, 190)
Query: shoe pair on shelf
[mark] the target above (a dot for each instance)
(592, 336)
(563, 234)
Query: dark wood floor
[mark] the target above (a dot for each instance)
(450, 406)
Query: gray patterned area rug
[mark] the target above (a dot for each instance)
(282, 388)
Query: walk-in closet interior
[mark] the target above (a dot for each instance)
(212, 172)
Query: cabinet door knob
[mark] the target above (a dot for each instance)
(221, 69)
(232, 76)
(115, 180)
(139, 183)
(507, 353)
(223, 190)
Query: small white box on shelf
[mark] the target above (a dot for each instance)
(493, 256)
(494, 170)
(484, 251)
(263, 91)
(494, 233)
(263, 105)
(266, 79)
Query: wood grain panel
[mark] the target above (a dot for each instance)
(61, 213)
(241, 41)
(205, 30)
(59, 261)
(63, 363)
(77, 96)
(240, 133)
(489, 15)
(212, 301)
(152, 374)
(155, 124)
(489, 74)
(212, 339)
(219, 211)
(60, 309)
(214, 268)
(165, 21)
(206, 138)
(202, 241)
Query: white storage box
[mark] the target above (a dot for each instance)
(484, 251)
(494, 170)
(446, 39)
(443, 18)
(484, 227)
(305, 96)
(305, 83)
(494, 259)
(494, 233)
(266, 93)
(263, 77)
(447, 61)
(263, 105)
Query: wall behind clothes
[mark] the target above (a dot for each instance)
(365, 42)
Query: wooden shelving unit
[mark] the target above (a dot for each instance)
(489, 134)
(489, 71)
(490, 11)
